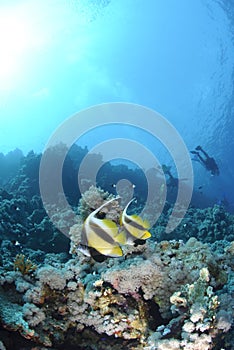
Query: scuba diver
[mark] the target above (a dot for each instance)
(208, 162)
(171, 181)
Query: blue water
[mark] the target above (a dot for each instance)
(176, 57)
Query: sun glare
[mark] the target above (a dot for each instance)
(14, 40)
(29, 28)
(18, 38)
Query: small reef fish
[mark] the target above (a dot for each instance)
(102, 238)
(136, 228)
(16, 243)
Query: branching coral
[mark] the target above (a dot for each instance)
(168, 296)
(198, 323)
(198, 302)
(24, 265)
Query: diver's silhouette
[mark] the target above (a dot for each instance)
(208, 162)
(171, 181)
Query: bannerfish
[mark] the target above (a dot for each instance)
(101, 237)
(135, 227)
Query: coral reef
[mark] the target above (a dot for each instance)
(174, 292)
(24, 265)
(170, 295)
(208, 225)
(23, 217)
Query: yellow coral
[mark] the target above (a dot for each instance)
(24, 265)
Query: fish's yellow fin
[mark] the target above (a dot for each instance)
(109, 223)
(135, 216)
(146, 224)
(137, 219)
(97, 242)
(115, 252)
(134, 231)
(121, 237)
(140, 221)
(110, 227)
(146, 235)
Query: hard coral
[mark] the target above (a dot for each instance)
(169, 297)
(24, 265)
(90, 200)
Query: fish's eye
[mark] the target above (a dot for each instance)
(101, 215)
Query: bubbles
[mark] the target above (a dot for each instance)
(128, 114)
